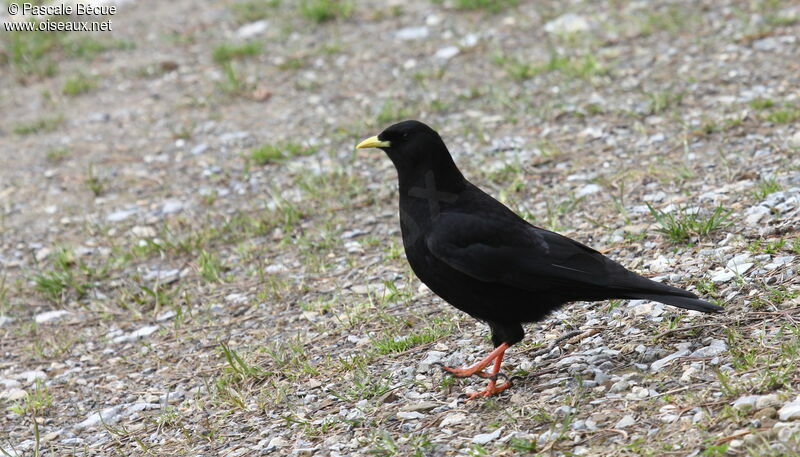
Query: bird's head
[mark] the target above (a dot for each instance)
(411, 145)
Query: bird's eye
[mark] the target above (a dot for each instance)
(405, 135)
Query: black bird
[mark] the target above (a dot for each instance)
(480, 257)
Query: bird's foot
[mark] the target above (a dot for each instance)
(467, 372)
(491, 389)
(496, 355)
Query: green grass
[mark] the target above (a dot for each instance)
(78, 84)
(68, 277)
(37, 54)
(681, 225)
(783, 116)
(57, 155)
(661, 101)
(94, 183)
(43, 124)
(211, 267)
(767, 247)
(231, 82)
(762, 103)
(227, 52)
(492, 6)
(581, 67)
(766, 186)
(325, 10)
(393, 344)
(254, 10)
(392, 111)
(274, 153)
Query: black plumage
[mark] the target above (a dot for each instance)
(480, 257)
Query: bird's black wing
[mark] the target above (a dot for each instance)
(518, 254)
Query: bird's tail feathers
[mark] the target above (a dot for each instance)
(695, 304)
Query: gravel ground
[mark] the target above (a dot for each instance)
(195, 260)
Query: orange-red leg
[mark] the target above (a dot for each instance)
(492, 388)
(496, 354)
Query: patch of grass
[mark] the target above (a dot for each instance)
(78, 84)
(43, 124)
(766, 186)
(35, 401)
(273, 153)
(363, 385)
(762, 103)
(227, 52)
(231, 82)
(239, 369)
(661, 101)
(582, 67)
(492, 6)
(96, 184)
(393, 344)
(57, 155)
(783, 116)
(773, 296)
(672, 19)
(211, 267)
(767, 247)
(392, 111)
(683, 224)
(325, 10)
(253, 10)
(36, 54)
(68, 275)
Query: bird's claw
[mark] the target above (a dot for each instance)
(489, 391)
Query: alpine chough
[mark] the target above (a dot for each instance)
(480, 257)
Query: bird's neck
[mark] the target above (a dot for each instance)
(437, 174)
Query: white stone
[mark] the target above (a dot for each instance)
(277, 442)
(779, 262)
(13, 394)
(588, 190)
(412, 33)
(138, 334)
(638, 393)
(714, 348)
(790, 411)
(447, 53)
(107, 416)
(740, 264)
(250, 30)
(163, 276)
(689, 373)
(660, 264)
(722, 276)
(567, 24)
(143, 231)
(659, 364)
(625, 422)
(453, 419)
(410, 415)
(754, 214)
(794, 140)
(5, 320)
(648, 309)
(121, 215)
(484, 438)
(51, 316)
(432, 358)
(172, 206)
(764, 401)
(745, 402)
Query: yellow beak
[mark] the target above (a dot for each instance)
(373, 142)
